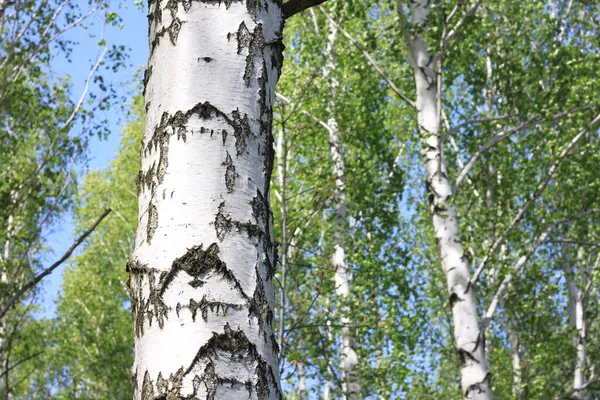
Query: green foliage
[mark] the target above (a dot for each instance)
(92, 348)
(529, 68)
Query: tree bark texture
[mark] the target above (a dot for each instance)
(201, 274)
(469, 340)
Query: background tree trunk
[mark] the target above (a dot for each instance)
(201, 274)
(350, 380)
(470, 341)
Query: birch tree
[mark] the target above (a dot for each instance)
(201, 274)
(39, 152)
(469, 339)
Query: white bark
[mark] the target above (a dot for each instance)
(577, 320)
(201, 274)
(475, 378)
(350, 380)
(302, 388)
(515, 356)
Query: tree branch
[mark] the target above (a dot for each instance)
(540, 189)
(452, 33)
(293, 7)
(570, 392)
(21, 361)
(371, 61)
(503, 135)
(50, 269)
(287, 100)
(498, 296)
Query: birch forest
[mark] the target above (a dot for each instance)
(307, 199)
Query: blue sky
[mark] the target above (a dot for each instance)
(133, 36)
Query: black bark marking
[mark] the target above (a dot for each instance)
(479, 387)
(152, 222)
(236, 344)
(172, 31)
(270, 266)
(134, 382)
(198, 263)
(260, 208)
(464, 356)
(206, 59)
(170, 389)
(241, 130)
(254, 42)
(224, 134)
(147, 388)
(212, 381)
(454, 298)
(224, 225)
(141, 309)
(204, 305)
(230, 173)
(147, 75)
(204, 111)
(155, 306)
(259, 306)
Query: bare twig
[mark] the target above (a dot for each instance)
(50, 269)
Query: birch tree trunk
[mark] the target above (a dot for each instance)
(350, 380)
(577, 320)
(201, 274)
(515, 356)
(470, 346)
(302, 388)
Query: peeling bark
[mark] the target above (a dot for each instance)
(469, 339)
(201, 274)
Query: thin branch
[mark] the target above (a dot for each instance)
(540, 189)
(503, 135)
(21, 361)
(452, 33)
(570, 241)
(370, 60)
(499, 295)
(570, 392)
(85, 89)
(293, 7)
(50, 269)
(477, 121)
(289, 101)
(453, 12)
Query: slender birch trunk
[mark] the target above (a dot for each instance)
(515, 357)
(302, 388)
(577, 320)
(350, 380)
(3, 4)
(470, 346)
(4, 344)
(201, 274)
